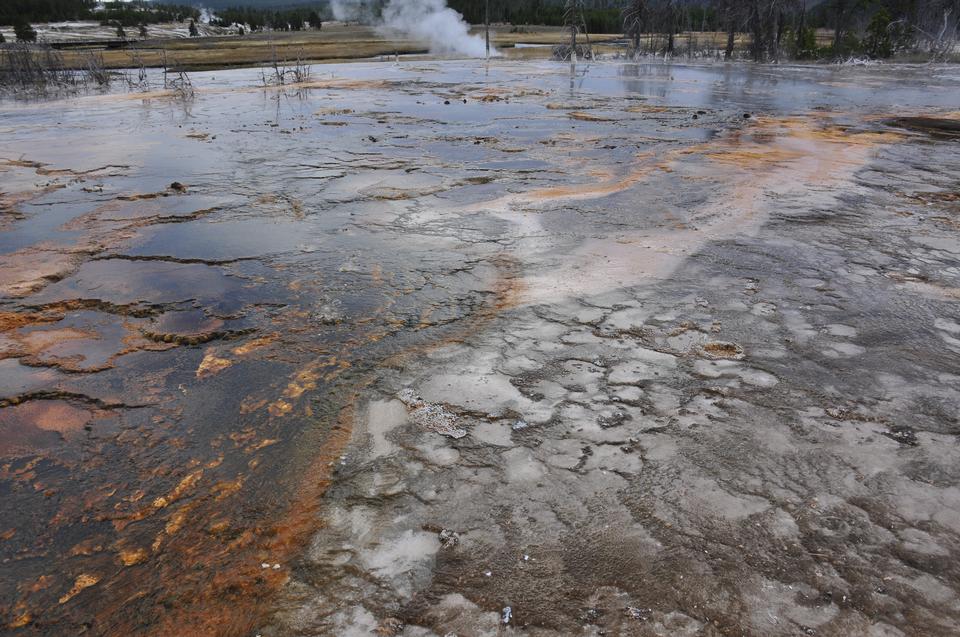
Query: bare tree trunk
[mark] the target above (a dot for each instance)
(573, 44)
(487, 23)
(731, 30)
(840, 25)
(801, 27)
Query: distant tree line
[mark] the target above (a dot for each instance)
(777, 28)
(18, 11)
(291, 19)
(788, 28)
(601, 16)
(140, 12)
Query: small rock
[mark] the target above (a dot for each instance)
(436, 418)
(838, 413)
(178, 187)
(329, 314)
(449, 539)
(723, 349)
(640, 614)
(519, 425)
(410, 398)
(904, 434)
(613, 420)
(390, 627)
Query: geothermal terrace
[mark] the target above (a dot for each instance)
(454, 348)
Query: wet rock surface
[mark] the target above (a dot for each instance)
(568, 361)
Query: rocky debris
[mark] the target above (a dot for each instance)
(329, 314)
(431, 416)
(640, 614)
(390, 627)
(904, 434)
(410, 398)
(449, 539)
(437, 419)
(722, 349)
(608, 421)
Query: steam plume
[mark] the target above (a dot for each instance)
(431, 21)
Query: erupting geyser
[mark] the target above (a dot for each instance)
(428, 20)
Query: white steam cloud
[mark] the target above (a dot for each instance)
(430, 21)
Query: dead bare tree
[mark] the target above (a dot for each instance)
(181, 85)
(574, 22)
(142, 81)
(32, 68)
(730, 12)
(634, 17)
(282, 73)
(841, 19)
(177, 80)
(25, 67)
(942, 42)
(663, 17)
(95, 68)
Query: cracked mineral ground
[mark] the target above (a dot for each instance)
(440, 348)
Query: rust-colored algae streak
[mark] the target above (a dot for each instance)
(239, 596)
(759, 146)
(82, 582)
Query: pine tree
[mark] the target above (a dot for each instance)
(878, 42)
(24, 32)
